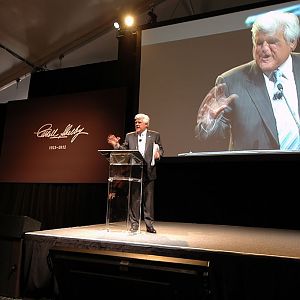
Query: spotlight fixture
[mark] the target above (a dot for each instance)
(126, 27)
(152, 17)
(116, 25)
(129, 21)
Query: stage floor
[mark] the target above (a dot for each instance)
(242, 262)
(200, 238)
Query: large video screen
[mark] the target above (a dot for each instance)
(179, 65)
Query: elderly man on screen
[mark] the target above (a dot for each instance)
(256, 105)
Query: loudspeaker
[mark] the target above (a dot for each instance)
(12, 229)
(15, 226)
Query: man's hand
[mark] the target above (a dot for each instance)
(113, 140)
(214, 104)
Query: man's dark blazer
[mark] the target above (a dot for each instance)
(131, 143)
(251, 116)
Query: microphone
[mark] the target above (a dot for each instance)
(280, 88)
(279, 93)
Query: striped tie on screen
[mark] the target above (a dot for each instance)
(277, 81)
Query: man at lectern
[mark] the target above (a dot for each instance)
(149, 145)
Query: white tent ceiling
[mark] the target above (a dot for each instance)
(54, 33)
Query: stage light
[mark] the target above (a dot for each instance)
(126, 27)
(116, 25)
(129, 21)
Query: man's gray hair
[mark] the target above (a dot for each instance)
(143, 117)
(273, 21)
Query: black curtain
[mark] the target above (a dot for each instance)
(2, 122)
(55, 205)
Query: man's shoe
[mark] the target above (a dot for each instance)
(151, 229)
(134, 228)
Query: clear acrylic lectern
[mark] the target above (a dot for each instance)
(125, 187)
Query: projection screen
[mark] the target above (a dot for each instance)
(179, 65)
